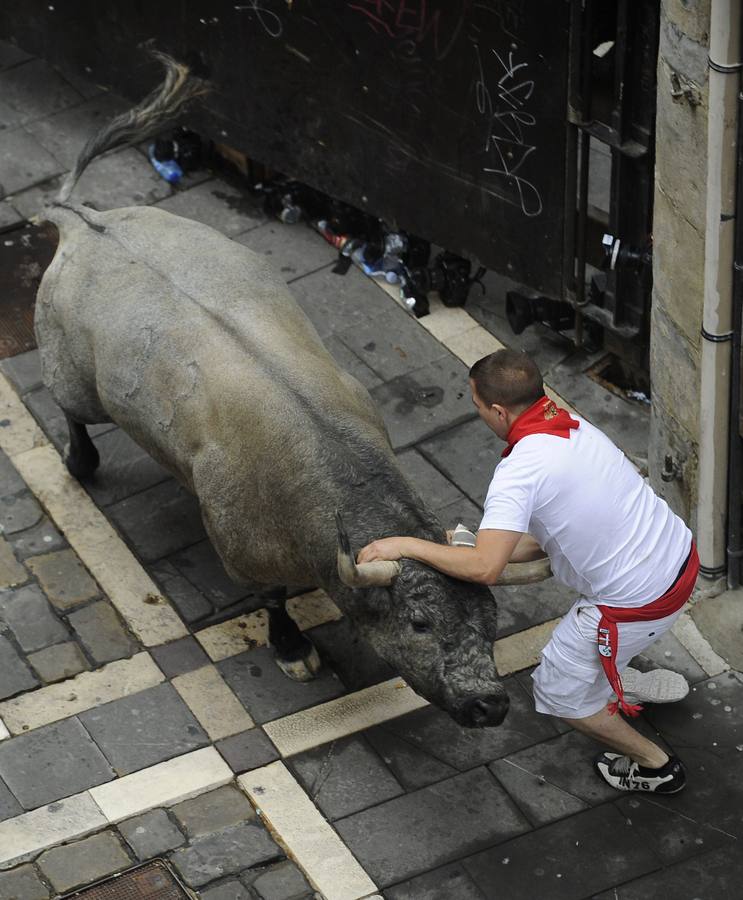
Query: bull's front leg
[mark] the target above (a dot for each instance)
(82, 457)
(295, 654)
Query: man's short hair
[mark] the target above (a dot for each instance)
(508, 378)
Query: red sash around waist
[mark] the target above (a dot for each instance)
(608, 635)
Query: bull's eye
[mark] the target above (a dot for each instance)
(420, 624)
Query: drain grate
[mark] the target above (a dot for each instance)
(24, 255)
(154, 880)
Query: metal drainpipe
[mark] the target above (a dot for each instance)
(735, 499)
(717, 325)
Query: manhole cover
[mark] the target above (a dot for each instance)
(153, 881)
(24, 255)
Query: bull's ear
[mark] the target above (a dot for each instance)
(380, 573)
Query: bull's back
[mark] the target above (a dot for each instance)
(179, 334)
(196, 348)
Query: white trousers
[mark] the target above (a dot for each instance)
(569, 682)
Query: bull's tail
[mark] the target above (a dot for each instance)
(143, 121)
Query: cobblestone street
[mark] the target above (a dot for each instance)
(142, 715)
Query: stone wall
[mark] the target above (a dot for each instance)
(678, 248)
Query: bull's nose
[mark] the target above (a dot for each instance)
(486, 711)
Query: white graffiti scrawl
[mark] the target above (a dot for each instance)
(507, 123)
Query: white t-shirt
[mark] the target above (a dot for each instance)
(607, 533)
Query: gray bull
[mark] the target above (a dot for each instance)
(193, 345)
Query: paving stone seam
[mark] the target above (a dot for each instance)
(433, 462)
(299, 826)
(163, 784)
(99, 547)
(429, 325)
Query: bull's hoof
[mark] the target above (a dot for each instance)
(81, 466)
(303, 669)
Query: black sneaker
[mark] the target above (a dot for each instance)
(625, 774)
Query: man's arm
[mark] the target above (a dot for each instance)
(527, 550)
(482, 563)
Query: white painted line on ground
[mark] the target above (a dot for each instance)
(4, 733)
(343, 716)
(235, 635)
(520, 650)
(19, 431)
(379, 703)
(134, 594)
(209, 698)
(85, 691)
(298, 826)
(685, 629)
(164, 784)
(25, 836)
(245, 632)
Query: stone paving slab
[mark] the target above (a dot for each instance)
(125, 468)
(40, 538)
(65, 133)
(159, 521)
(59, 662)
(240, 847)
(84, 862)
(102, 633)
(267, 693)
(350, 362)
(124, 729)
(152, 834)
(202, 567)
(31, 618)
(122, 178)
(15, 675)
(293, 251)
(63, 578)
(51, 763)
(467, 455)
(716, 875)
(23, 883)
(432, 826)
(10, 55)
(391, 345)
(565, 860)
(23, 161)
(250, 749)
(425, 401)
(336, 302)
(218, 204)
(345, 777)
(24, 370)
(33, 90)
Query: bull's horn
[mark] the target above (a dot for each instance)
(380, 573)
(525, 572)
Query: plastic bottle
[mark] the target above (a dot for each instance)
(165, 168)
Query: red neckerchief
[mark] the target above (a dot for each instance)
(608, 635)
(542, 417)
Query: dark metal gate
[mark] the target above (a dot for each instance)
(473, 123)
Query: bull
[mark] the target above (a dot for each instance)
(192, 344)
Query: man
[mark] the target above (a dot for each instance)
(563, 486)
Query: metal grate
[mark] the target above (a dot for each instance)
(24, 255)
(154, 880)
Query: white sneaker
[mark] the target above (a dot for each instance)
(657, 686)
(625, 774)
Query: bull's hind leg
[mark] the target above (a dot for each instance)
(295, 655)
(82, 457)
